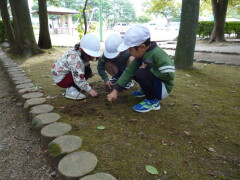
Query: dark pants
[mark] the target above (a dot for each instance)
(150, 84)
(68, 81)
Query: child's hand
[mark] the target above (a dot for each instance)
(143, 66)
(112, 96)
(109, 84)
(93, 93)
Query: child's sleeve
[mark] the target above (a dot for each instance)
(164, 68)
(77, 68)
(101, 70)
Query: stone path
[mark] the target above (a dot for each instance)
(62, 149)
(222, 53)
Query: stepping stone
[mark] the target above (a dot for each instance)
(33, 102)
(14, 75)
(64, 145)
(32, 95)
(40, 109)
(27, 90)
(41, 120)
(2, 56)
(13, 69)
(22, 86)
(19, 78)
(99, 176)
(10, 73)
(22, 81)
(61, 146)
(10, 65)
(52, 131)
(77, 164)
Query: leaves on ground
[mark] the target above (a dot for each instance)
(150, 169)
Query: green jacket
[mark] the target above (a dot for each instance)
(161, 65)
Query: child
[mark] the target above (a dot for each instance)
(152, 68)
(113, 62)
(72, 70)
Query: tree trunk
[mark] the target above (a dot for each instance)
(25, 42)
(187, 34)
(6, 22)
(44, 40)
(219, 12)
(84, 16)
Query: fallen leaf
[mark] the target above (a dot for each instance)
(165, 172)
(101, 127)
(186, 133)
(211, 149)
(150, 169)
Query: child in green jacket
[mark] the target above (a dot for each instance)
(152, 68)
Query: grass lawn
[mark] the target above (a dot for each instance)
(195, 135)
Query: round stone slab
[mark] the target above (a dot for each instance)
(15, 72)
(10, 65)
(40, 109)
(99, 176)
(77, 164)
(32, 95)
(44, 119)
(23, 81)
(19, 78)
(64, 145)
(52, 131)
(27, 90)
(22, 86)
(33, 102)
(13, 69)
(14, 75)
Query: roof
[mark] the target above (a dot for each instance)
(58, 10)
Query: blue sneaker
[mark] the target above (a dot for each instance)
(138, 93)
(147, 105)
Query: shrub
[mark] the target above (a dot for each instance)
(205, 28)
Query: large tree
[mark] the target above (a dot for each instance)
(6, 22)
(25, 43)
(169, 9)
(219, 8)
(187, 34)
(44, 40)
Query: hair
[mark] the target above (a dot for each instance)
(77, 46)
(146, 43)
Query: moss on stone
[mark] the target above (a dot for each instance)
(54, 149)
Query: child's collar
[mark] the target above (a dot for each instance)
(152, 46)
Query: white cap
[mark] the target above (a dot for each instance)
(111, 44)
(90, 45)
(134, 36)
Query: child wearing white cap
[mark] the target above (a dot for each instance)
(113, 62)
(73, 69)
(152, 68)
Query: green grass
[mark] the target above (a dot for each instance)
(195, 135)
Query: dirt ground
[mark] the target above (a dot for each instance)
(20, 154)
(195, 135)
